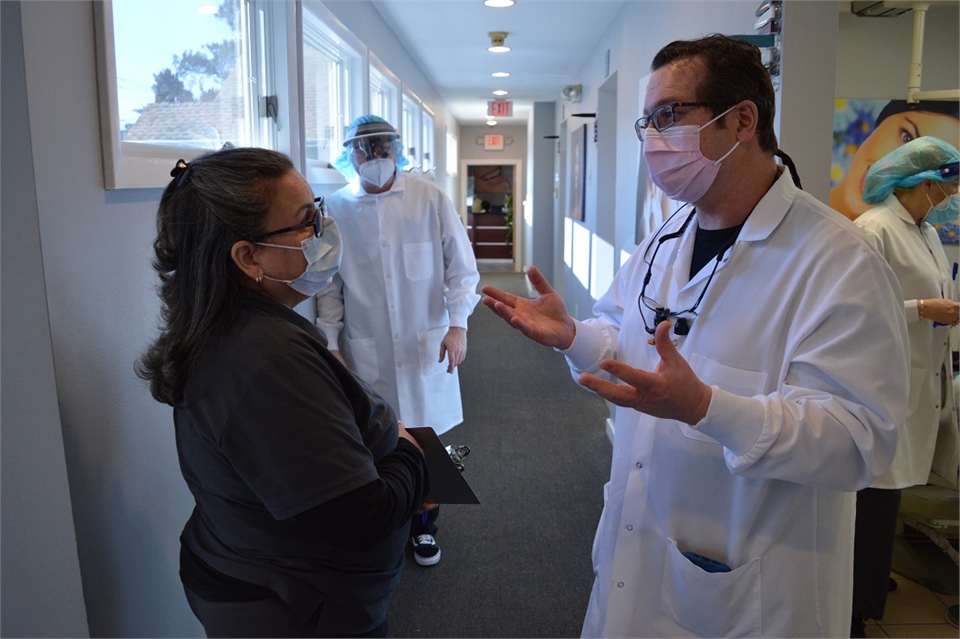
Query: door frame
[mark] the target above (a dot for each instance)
(518, 202)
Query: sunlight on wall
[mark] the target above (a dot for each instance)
(568, 242)
(581, 254)
(602, 267)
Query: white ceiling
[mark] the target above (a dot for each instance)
(550, 41)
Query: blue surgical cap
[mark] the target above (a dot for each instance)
(364, 127)
(925, 158)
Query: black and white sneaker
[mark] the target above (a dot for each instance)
(425, 550)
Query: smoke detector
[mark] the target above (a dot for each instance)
(496, 42)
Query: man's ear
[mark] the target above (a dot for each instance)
(747, 116)
(244, 256)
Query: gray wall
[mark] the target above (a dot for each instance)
(41, 572)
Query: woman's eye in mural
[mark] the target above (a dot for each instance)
(905, 136)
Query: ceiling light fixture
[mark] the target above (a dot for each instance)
(499, 4)
(500, 92)
(496, 42)
(491, 122)
(500, 74)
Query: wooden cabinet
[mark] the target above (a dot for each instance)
(489, 235)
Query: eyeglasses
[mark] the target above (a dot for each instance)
(316, 222)
(662, 313)
(380, 146)
(662, 118)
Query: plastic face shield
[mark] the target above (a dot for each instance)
(373, 147)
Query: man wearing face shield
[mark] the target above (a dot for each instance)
(397, 311)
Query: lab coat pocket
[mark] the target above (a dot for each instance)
(428, 343)
(362, 356)
(418, 260)
(735, 380)
(711, 604)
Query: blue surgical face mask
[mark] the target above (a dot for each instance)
(323, 260)
(945, 211)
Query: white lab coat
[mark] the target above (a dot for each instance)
(408, 274)
(920, 263)
(802, 336)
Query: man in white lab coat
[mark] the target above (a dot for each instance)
(397, 310)
(756, 348)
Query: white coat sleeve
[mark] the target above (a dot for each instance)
(330, 312)
(460, 275)
(596, 338)
(834, 420)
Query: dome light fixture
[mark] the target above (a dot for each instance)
(496, 42)
(499, 4)
(491, 123)
(500, 74)
(500, 92)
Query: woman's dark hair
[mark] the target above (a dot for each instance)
(943, 107)
(731, 71)
(211, 203)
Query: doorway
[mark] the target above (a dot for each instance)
(491, 212)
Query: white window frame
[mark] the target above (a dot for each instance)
(389, 107)
(140, 165)
(411, 128)
(428, 159)
(354, 80)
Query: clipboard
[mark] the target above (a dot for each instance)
(447, 483)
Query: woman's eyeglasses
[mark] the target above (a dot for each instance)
(316, 221)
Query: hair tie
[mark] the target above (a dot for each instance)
(182, 171)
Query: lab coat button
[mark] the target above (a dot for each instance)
(629, 527)
(619, 584)
(639, 464)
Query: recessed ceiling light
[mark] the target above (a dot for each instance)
(500, 74)
(208, 9)
(500, 92)
(498, 4)
(491, 122)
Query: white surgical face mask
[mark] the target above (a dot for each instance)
(377, 171)
(676, 164)
(323, 260)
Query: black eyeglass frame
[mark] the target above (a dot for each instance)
(668, 110)
(316, 222)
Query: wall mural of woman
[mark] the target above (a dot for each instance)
(866, 130)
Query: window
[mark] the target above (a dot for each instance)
(384, 91)
(331, 93)
(429, 163)
(195, 80)
(451, 153)
(410, 130)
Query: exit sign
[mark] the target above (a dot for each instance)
(500, 108)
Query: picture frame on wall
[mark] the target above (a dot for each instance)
(578, 170)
